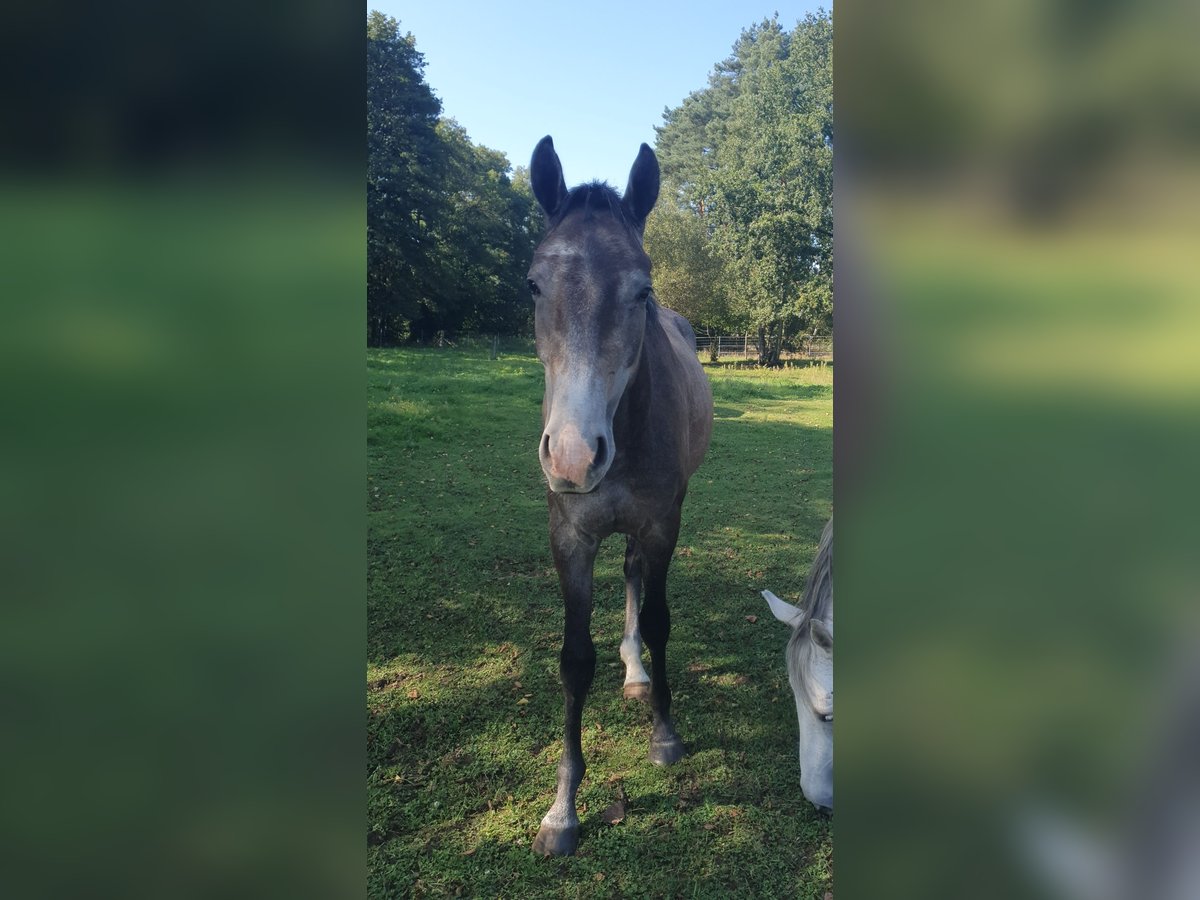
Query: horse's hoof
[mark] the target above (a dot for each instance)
(637, 690)
(665, 753)
(552, 841)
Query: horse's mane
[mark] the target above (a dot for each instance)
(817, 599)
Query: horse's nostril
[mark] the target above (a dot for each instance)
(601, 452)
(544, 449)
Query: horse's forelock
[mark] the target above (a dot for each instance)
(594, 196)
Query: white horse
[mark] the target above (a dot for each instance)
(810, 670)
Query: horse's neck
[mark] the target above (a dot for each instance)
(634, 411)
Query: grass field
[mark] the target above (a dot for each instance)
(465, 624)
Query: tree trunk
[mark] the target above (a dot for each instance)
(770, 346)
(495, 346)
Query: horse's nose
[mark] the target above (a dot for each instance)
(601, 456)
(568, 456)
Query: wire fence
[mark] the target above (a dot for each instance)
(745, 346)
(496, 344)
(731, 346)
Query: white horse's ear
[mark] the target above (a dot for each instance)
(783, 610)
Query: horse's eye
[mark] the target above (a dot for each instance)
(644, 295)
(825, 717)
(533, 288)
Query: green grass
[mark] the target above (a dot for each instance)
(465, 623)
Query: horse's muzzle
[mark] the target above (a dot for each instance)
(573, 464)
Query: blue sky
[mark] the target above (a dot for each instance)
(595, 76)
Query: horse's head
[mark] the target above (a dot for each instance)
(810, 672)
(590, 281)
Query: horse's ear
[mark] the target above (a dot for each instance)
(784, 611)
(546, 176)
(642, 189)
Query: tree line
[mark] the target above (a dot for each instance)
(742, 237)
(450, 233)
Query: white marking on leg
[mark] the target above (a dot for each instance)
(631, 655)
(561, 815)
(631, 641)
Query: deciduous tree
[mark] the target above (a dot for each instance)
(753, 157)
(406, 165)
(688, 274)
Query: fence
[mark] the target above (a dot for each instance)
(495, 343)
(734, 346)
(746, 346)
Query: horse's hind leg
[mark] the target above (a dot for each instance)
(637, 682)
(665, 745)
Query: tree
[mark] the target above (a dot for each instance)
(406, 164)
(484, 247)
(449, 235)
(688, 275)
(753, 155)
(772, 194)
(690, 138)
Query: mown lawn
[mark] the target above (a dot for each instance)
(465, 622)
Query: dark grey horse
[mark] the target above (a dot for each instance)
(626, 420)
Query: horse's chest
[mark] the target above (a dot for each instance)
(617, 505)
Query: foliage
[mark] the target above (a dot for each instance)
(465, 624)
(751, 156)
(688, 275)
(742, 238)
(485, 243)
(692, 134)
(448, 233)
(405, 167)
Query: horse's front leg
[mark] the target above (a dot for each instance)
(574, 554)
(666, 747)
